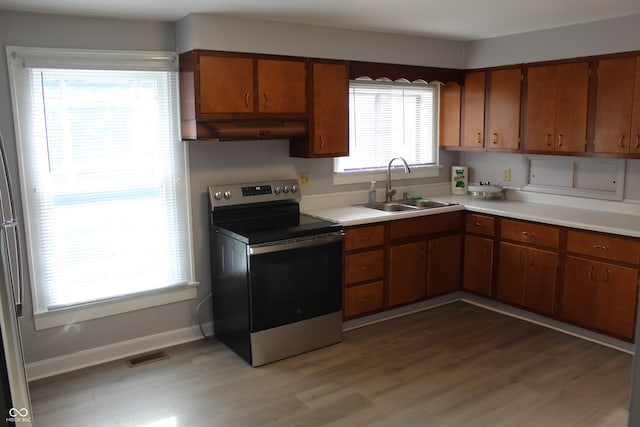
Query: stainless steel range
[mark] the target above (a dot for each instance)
(276, 273)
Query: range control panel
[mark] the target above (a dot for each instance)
(244, 193)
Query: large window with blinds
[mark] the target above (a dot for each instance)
(104, 178)
(388, 119)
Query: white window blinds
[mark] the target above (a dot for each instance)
(389, 119)
(104, 176)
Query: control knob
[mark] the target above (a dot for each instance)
(294, 188)
(227, 194)
(285, 189)
(217, 195)
(277, 189)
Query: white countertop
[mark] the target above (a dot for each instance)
(615, 221)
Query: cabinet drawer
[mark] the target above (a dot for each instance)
(364, 237)
(363, 266)
(480, 224)
(363, 299)
(604, 246)
(534, 234)
(428, 224)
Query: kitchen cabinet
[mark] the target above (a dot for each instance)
(477, 274)
(473, 100)
(617, 125)
(444, 265)
(407, 272)
(503, 109)
(363, 270)
(556, 108)
(600, 287)
(528, 265)
(229, 84)
(450, 104)
(417, 266)
(328, 113)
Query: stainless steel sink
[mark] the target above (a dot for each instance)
(406, 205)
(425, 204)
(392, 207)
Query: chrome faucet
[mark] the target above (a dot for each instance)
(390, 192)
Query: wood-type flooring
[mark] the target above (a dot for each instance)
(456, 365)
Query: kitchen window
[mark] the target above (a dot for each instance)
(388, 119)
(104, 181)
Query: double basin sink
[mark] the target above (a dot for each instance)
(406, 205)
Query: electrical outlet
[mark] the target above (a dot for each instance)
(303, 179)
(506, 175)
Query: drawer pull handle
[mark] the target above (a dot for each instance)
(246, 99)
(528, 234)
(621, 142)
(559, 140)
(603, 247)
(477, 224)
(591, 274)
(365, 238)
(365, 267)
(546, 140)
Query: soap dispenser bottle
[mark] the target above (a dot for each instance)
(372, 193)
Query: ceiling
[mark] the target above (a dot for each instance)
(450, 19)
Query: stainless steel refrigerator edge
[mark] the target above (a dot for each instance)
(15, 402)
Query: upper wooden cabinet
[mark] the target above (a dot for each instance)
(472, 124)
(617, 106)
(329, 113)
(243, 84)
(556, 108)
(450, 103)
(503, 109)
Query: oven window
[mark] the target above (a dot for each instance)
(294, 285)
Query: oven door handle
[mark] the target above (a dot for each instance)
(303, 242)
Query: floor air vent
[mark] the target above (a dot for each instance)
(143, 359)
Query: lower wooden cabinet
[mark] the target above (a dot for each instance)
(600, 296)
(363, 299)
(527, 277)
(444, 266)
(407, 273)
(478, 264)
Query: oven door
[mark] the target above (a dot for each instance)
(295, 280)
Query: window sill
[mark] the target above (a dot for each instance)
(81, 313)
(381, 175)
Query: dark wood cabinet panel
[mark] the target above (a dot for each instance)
(635, 115)
(281, 86)
(444, 266)
(480, 224)
(540, 287)
(530, 233)
(363, 299)
(363, 266)
(226, 84)
(407, 273)
(363, 237)
(478, 264)
(511, 273)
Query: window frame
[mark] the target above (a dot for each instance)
(418, 170)
(18, 59)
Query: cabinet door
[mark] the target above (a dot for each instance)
(407, 273)
(541, 108)
(572, 90)
(281, 86)
(511, 273)
(615, 301)
(478, 264)
(363, 299)
(363, 266)
(504, 110)
(330, 121)
(473, 110)
(443, 271)
(614, 102)
(540, 286)
(450, 98)
(579, 290)
(226, 84)
(635, 118)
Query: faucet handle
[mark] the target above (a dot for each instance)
(405, 195)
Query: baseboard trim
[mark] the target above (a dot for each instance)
(109, 353)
